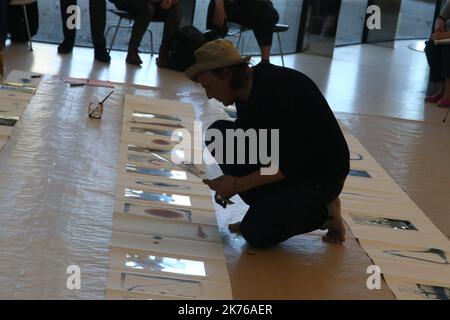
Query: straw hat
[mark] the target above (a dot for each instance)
(213, 55)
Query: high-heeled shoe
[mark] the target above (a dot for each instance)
(444, 103)
(434, 98)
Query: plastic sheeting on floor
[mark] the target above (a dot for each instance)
(58, 174)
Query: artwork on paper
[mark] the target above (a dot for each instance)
(145, 115)
(166, 133)
(427, 292)
(8, 121)
(158, 212)
(193, 169)
(173, 199)
(361, 195)
(161, 124)
(201, 233)
(431, 255)
(359, 173)
(152, 158)
(144, 149)
(356, 156)
(162, 185)
(153, 263)
(18, 88)
(171, 174)
(160, 285)
(383, 222)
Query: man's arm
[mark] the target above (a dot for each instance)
(256, 179)
(227, 186)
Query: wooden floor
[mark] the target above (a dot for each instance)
(375, 91)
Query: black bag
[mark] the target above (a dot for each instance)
(17, 27)
(184, 43)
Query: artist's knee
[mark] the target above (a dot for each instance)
(257, 237)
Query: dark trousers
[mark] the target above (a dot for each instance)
(259, 16)
(280, 210)
(97, 15)
(3, 23)
(143, 12)
(439, 61)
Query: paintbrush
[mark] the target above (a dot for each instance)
(446, 115)
(109, 94)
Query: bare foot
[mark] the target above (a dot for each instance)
(235, 227)
(336, 229)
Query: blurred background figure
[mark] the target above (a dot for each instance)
(3, 32)
(143, 12)
(438, 57)
(257, 15)
(97, 13)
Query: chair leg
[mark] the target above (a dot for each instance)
(151, 42)
(28, 26)
(115, 34)
(239, 39)
(281, 48)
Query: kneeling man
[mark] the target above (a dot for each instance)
(298, 191)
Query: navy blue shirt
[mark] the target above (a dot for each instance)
(312, 145)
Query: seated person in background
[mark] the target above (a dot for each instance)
(143, 12)
(258, 15)
(438, 57)
(309, 158)
(97, 14)
(3, 32)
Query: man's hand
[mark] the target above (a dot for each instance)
(222, 202)
(219, 14)
(166, 4)
(225, 186)
(439, 26)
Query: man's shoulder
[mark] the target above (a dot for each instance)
(279, 75)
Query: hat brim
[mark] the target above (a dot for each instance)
(193, 71)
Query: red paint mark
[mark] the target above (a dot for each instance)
(161, 142)
(201, 233)
(163, 213)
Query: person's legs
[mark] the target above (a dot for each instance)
(172, 18)
(261, 17)
(97, 15)
(220, 31)
(142, 11)
(445, 57)
(283, 210)
(434, 58)
(3, 33)
(3, 23)
(69, 34)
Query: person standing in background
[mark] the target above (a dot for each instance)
(143, 11)
(438, 57)
(258, 15)
(3, 32)
(97, 14)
